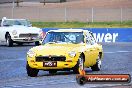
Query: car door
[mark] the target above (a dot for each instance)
(2, 34)
(89, 54)
(94, 47)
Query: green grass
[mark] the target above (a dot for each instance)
(124, 24)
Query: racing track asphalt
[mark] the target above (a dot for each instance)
(117, 60)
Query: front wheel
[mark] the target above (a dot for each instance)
(9, 41)
(97, 66)
(32, 72)
(37, 43)
(79, 65)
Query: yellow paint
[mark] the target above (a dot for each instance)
(91, 53)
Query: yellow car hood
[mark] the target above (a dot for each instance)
(56, 49)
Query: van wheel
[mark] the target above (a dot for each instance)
(79, 65)
(32, 72)
(9, 41)
(97, 66)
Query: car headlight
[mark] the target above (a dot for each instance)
(41, 34)
(14, 32)
(72, 54)
(31, 53)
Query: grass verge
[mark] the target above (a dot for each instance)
(124, 24)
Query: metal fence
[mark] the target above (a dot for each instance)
(66, 14)
(47, 1)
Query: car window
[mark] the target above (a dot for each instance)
(90, 39)
(6, 23)
(64, 37)
(16, 22)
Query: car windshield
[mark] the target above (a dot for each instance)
(64, 37)
(16, 22)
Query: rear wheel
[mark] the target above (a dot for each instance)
(79, 65)
(97, 66)
(9, 41)
(32, 72)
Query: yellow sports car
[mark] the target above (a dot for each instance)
(65, 49)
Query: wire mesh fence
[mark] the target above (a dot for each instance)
(67, 14)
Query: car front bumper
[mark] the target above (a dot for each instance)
(68, 64)
(60, 65)
(26, 40)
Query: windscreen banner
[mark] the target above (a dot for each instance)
(105, 34)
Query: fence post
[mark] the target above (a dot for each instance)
(38, 14)
(121, 15)
(17, 3)
(44, 2)
(13, 9)
(92, 15)
(65, 14)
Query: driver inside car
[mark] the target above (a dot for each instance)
(57, 38)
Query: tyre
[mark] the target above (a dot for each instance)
(37, 43)
(81, 80)
(97, 66)
(32, 72)
(20, 43)
(79, 65)
(9, 41)
(52, 71)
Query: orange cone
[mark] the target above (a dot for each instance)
(82, 72)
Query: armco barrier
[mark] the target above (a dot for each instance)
(107, 34)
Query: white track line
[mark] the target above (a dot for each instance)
(124, 51)
(37, 84)
(119, 52)
(12, 60)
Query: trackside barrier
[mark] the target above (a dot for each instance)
(106, 34)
